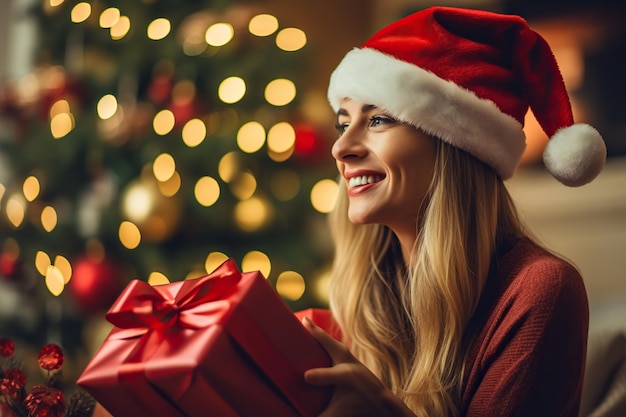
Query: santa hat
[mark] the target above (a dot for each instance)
(468, 77)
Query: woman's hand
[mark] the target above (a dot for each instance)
(358, 392)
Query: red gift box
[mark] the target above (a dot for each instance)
(322, 318)
(223, 345)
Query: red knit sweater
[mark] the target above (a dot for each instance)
(531, 335)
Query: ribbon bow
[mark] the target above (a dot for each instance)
(142, 308)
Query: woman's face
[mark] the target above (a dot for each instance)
(387, 165)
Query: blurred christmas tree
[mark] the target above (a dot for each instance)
(154, 139)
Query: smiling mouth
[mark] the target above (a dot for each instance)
(364, 180)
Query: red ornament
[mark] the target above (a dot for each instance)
(7, 347)
(51, 357)
(14, 380)
(43, 401)
(94, 285)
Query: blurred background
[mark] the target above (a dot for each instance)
(153, 139)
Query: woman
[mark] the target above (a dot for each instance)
(446, 305)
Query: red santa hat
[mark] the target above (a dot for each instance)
(468, 77)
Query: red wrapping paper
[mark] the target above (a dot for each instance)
(224, 345)
(322, 318)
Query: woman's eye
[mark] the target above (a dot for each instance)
(380, 120)
(341, 127)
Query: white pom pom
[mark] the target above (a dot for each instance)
(575, 155)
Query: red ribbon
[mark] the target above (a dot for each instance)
(141, 308)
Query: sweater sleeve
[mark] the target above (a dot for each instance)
(530, 354)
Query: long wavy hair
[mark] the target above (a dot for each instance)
(407, 323)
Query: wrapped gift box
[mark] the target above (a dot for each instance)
(322, 318)
(222, 345)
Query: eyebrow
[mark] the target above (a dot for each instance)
(364, 109)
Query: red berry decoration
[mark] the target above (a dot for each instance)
(50, 357)
(43, 401)
(7, 347)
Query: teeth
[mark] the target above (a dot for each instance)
(363, 179)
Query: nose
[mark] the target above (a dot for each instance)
(348, 146)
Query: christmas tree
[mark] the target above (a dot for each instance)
(152, 140)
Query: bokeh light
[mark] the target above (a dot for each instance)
(163, 122)
(281, 137)
(252, 214)
(54, 280)
(229, 166)
(31, 188)
(251, 137)
(64, 266)
(80, 12)
(280, 92)
(263, 25)
(256, 261)
(109, 17)
(49, 218)
(159, 28)
(16, 209)
(157, 278)
(107, 106)
(120, 29)
(291, 39)
(219, 34)
(207, 191)
(164, 167)
(170, 187)
(213, 260)
(129, 235)
(231, 90)
(324, 195)
(61, 125)
(194, 132)
(42, 262)
(244, 186)
(290, 285)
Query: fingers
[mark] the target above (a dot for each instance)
(337, 350)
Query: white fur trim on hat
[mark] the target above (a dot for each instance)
(438, 107)
(575, 155)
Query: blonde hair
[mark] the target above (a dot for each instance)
(407, 324)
